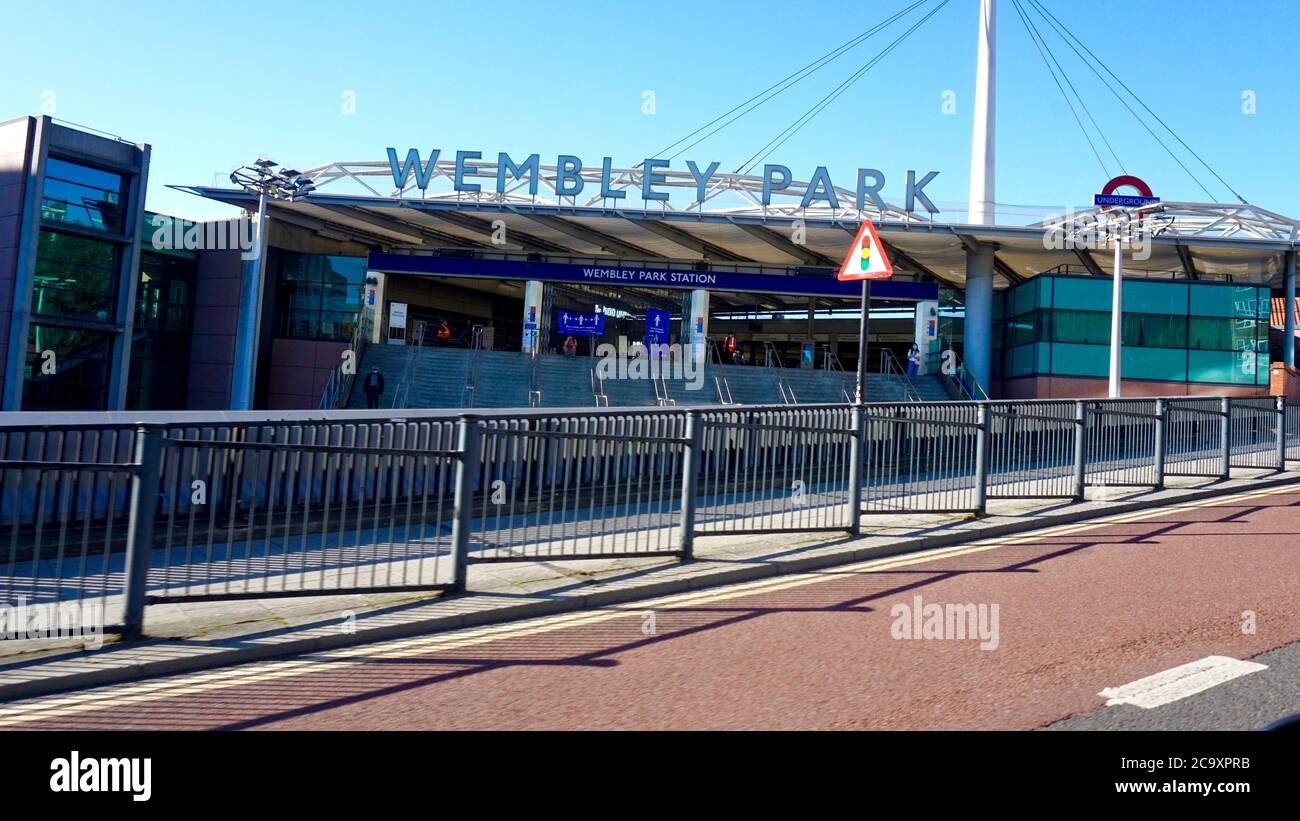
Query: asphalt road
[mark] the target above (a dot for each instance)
(1054, 618)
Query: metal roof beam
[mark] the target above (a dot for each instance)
(685, 239)
(1089, 262)
(513, 236)
(303, 221)
(894, 252)
(1189, 264)
(802, 253)
(605, 242)
(416, 233)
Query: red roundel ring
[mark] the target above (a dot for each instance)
(1126, 180)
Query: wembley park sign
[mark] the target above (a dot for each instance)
(569, 180)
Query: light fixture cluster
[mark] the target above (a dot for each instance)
(261, 178)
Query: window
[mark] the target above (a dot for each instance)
(1154, 331)
(67, 369)
(82, 196)
(320, 296)
(75, 276)
(164, 308)
(1085, 327)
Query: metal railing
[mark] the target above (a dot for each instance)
(338, 387)
(830, 362)
(958, 381)
(470, 389)
(891, 369)
(598, 387)
(411, 367)
(124, 515)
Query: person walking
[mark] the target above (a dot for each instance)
(570, 347)
(373, 387)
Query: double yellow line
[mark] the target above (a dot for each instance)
(134, 693)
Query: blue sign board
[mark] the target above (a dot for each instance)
(657, 323)
(579, 324)
(655, 277)
(1122, 201)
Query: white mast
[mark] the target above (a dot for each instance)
(983, 138)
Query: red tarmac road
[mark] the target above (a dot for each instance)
(1080, 610)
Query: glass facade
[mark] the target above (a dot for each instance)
(66, 369)
(1171, 331)
(76, 276)
(164, 311)
(320, 296)
(82, 196)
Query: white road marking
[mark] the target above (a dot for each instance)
(1180, 682)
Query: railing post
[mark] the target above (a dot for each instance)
(1225, 435)
(853, 505)
(468, 442)
(1279, 407)
(692, 451)
(146, 479)
(1080, 449)
(1162, 421)
(982, 459)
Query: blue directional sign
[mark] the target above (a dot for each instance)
(657, 323)
(579, 324)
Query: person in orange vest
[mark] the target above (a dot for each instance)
(444, 332)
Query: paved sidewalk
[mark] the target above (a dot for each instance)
(195, 636)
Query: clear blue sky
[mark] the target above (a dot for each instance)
(213, 85)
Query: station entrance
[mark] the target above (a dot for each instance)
(740, 328)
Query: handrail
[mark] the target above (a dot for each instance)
(771, 356)
(338, 387)
(723, 387)
(598, 387)
(960, 384)
(830, 362)
(470, 390)
(402, 394)
(890, 366)
(662, 397)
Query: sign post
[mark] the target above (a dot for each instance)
(866, 260)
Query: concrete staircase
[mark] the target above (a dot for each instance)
(503, 380)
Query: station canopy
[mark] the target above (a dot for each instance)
(733, 229)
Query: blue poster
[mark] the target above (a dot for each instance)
(657, 323)
(579, 324)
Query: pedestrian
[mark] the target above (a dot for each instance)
(443, 333)
(373, 387)
(570, 346)
(913, 360)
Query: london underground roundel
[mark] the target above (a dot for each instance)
(866, 258)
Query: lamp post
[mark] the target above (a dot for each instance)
(1113, 225)
(1117, 311)
(288, 185)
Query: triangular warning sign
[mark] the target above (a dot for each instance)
(866, 258)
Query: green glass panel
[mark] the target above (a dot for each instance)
(1080, 360)
(1233, 367)
(1154, 331)
(1080, 294)
(1144, 297)
(1019, 361)
(1084, 327)
(1153, 363)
